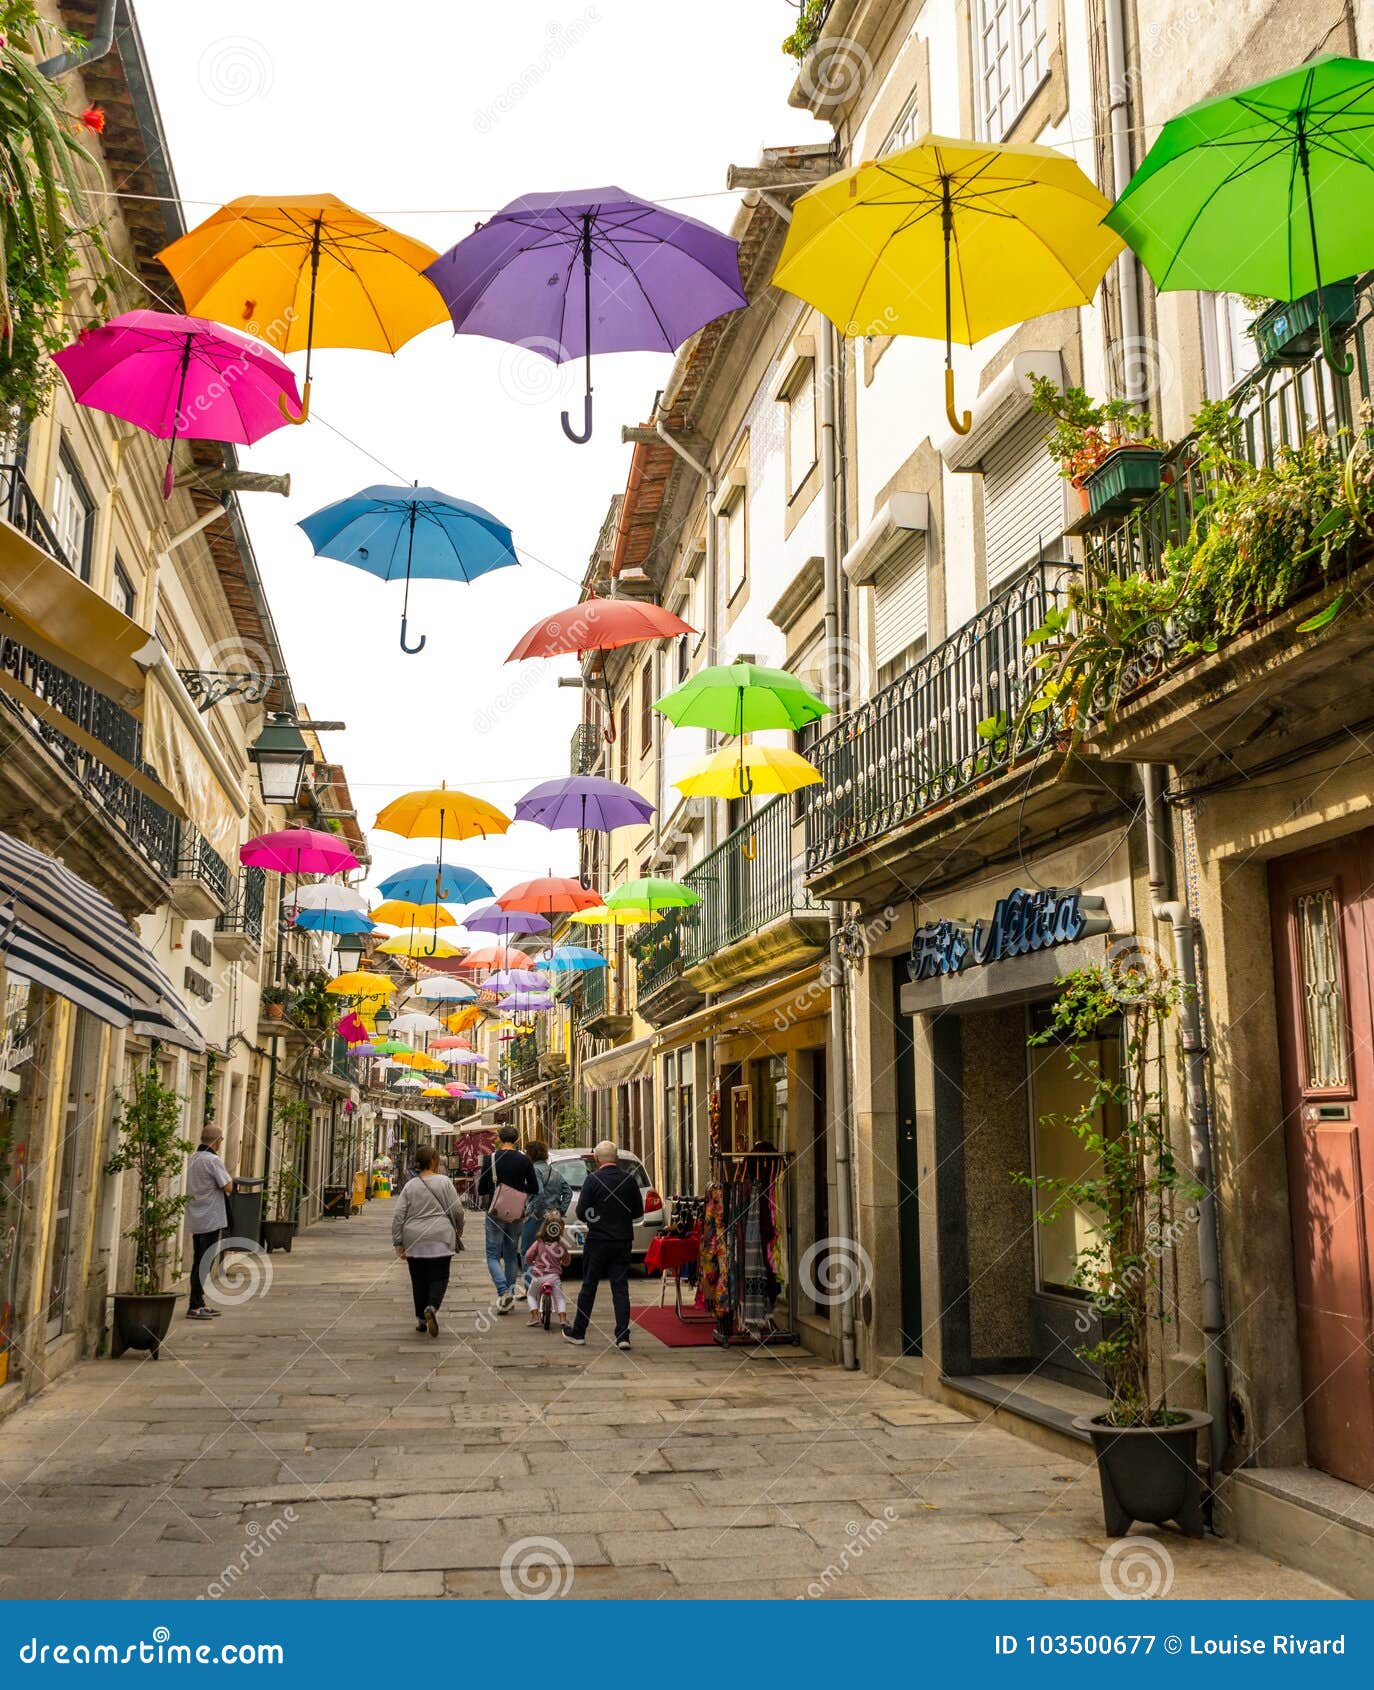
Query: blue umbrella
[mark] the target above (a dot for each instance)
(415, 531)
(574, 958)
(434, 883)
(333, 921)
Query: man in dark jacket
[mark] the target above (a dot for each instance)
(507, 1166)
(610, 1202)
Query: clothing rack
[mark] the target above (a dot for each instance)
(748, 1214)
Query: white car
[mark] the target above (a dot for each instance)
(575, 1165)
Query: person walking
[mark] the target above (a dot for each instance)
(208, 1183)
(426, 1229)
(553, 1197)
(507, 1181)
(610, 1202)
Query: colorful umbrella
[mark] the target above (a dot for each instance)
(1014, 231)
(601, 916)
(652, 894)
(179, 377)
(491, 918)
(297, 850)
(526, 1002)
(449, 1041)
(433, 883)
(361, 984)
(572, 959)
(306, 270)
(550, 894)
(419, 942)
(462, 1019)
(738, 698)
(517, 980)
(646, 277)
(435, 1091)
(428, 534)
(463, 1058)
(414, 1022)
(598, 625)
(489, 957)
(441, 813)
(332, 921)
(767, 768)
(586, 802)
(396, 912)
(438, 989)
(1286, 163)
(328, 895)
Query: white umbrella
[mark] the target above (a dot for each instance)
(409, 1085)
(329, 895)
(460, 1058)
(439, 988)
(413, 1022)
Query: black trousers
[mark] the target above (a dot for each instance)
(428, 1281)
(604, 1261)
(201, 1245)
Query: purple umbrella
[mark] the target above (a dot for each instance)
(175, 375)
(517, 980)
(491, 918)
(648, 277)
(525, 1001)
(586, 802)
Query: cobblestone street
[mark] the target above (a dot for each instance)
(309, 1443)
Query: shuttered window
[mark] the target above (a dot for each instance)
(1023, 502)
(899, 600)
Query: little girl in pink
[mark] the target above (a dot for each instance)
(547, 1257)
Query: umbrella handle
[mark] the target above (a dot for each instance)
(283, 405)
(410, 650)
(1339, 366)
(959, 427)
(586, 434)
(750, 848)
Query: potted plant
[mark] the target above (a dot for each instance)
(1136, 1197)
(274, 1001)
(152, 1148)
(292, 1118)
(1288, 332)
(311, 1007)
(1105, 448)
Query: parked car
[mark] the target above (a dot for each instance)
(575, 1165)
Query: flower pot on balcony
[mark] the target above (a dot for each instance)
(274, 1011)
(1289, 332)
(277, 1235)
(140, 1321)
(1148, 1473)
(1125, 478)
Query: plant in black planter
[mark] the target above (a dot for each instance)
(291, 1116)
(1106, 449)
(1131, 1192)
(152, 1149)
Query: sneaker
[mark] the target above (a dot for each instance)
(622, 1343)
(420, 1326)
(214, 1313)
(199, 1314)
(571, 1337)
(431, 1323)
(505, 1302)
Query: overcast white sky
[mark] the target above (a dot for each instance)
(430, 113)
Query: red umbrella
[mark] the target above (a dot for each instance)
(598, 625)
(551, 894)
(489, 957)
(449, 1041)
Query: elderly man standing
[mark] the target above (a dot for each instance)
(610, 1202)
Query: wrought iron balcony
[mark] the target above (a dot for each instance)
(947, 724)
(238, 927)
(198, 861)
(20, 507)
(585, 748)
(752, 879)
(658, 958)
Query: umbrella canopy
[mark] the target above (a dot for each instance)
(526, 1002)
(419, 942)
(441, 813)
(409, 1084)
(416, 532)
(306, 270)
(178, 376)
(298, 850)
(332, 921)
(439, 989)
(435, 1091)
(361, 984)
(463, 1059)
(583, 801)
(328, 895)
(480, 1093)
(652, 894)
(595, 269)
(449, 1041)
(489, 957)
(948, 239)
(517, 980)
(739, 698)
(1290, 161)
(573, 959)
(396, 912)
(551, 894)
(601, 916)
(434, 883)
(766, 768)
(491, 918)
(414, 1022)
(462, 1019)
(597, 625)
(418, 1060)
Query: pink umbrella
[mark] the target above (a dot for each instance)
(179, 376)
(298, 850)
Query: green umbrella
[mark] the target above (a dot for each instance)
(740, 698)
(652, 895)
(1266, 190)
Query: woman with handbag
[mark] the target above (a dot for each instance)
(508, 1181)
(427, 1228)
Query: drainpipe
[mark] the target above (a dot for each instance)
(1175, 913)
(96, 48)
(1119, 124)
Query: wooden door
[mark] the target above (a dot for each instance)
(1322, 904)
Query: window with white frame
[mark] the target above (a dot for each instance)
(800, 399)
(122, 593)
(732, 537)
(1229, 351)
(73, 514)
(906, 131)
(1011, 57)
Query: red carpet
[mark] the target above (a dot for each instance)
(664, 1325)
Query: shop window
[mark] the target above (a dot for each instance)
(1326, 1059)
(73, 515)
(1011, 59)
(76, 1125)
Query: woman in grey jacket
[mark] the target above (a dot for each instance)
(426, 1229)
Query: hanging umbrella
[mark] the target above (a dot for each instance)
(463, 1058)
(598, 625)
(361, 984)
(438, 989)
(328, 895)
(436, 1091)
(490, 957)
(414, 1022)
(573, 959)
(479, 1093)
(739, 698)
(526, 1002)
(417, 1060)
(652, 894)
(332, 921)
(396, 912)
(517, 980)
(585, 802)
(1015, 231)
(179, 378)
(407, 1085)
(433, 883)
(1287, 164)
(419, 942)
(767, 768)
(550, 894)
(601, 916)
(440, 813)
(418, 531)
(491, 918)
(306, 270)
(462, 1019)
(555, 272)
(449, 1041)
(298, 850)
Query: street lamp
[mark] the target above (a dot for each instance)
(382, 1019)
(281, 754)
(348, 947)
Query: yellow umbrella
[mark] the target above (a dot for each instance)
(602, 917)
(461, 1020)
(441, 813)
(396, 912)
(417, 1059)
(361, 985)
(771, 768)
(305, 270)
(434, 1091)
(419, 944)
(952, 239)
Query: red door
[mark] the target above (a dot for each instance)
(1322, 905)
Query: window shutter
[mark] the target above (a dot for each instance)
(899, 600)
(1023, 502)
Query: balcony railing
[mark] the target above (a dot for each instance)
(949, 723)
(20, 506)
(660, 953)
(752, 879)
(585, 748)
(594, 993)
(197, 860)
(243, 915)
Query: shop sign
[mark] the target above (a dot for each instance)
(1020, 923)
(14, 1053)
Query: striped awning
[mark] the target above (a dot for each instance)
(59, 932)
